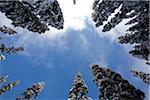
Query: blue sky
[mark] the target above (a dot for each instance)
(56, 56)
(57, 65)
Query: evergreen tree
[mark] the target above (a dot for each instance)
(21, 16)
(113, 87)
(8, 50)
(145, 77)
(32, 93)
(49, 12)
(8, 87)
(138, 10)
(79, 89)
(33, 15)
(6, 30)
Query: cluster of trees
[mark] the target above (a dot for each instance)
(34, 16)
(79, 89)
(37, 15)
(110, 84)
(137, 34)
(3, 48)
(28, 94)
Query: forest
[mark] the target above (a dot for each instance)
(74, 50)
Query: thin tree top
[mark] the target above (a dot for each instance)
(79, 89)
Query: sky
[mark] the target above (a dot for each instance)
(55, 56)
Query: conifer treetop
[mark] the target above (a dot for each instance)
(112, 86)
(137, 11)
(79, 89)
(9, 50)
(32, 92)
(7, 30)
(8, 87)
(144, 76)
(34, 15)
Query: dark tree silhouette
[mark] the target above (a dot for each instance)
(32, 93)
(7, 30)
(112, 86)
(33, 15)
(22, 16)
(50, 13)
(145, 77)
(8, 87)
(79, 89)
(138, 33)
(8, 50)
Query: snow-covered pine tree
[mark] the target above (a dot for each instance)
(138, 33)
(33, 92)
(144, 76)
(34, 15)
(50, 13)
(8, 87)
(112, 86)
(6, 30)
(8, 50)
(79, 89)
(22, 16)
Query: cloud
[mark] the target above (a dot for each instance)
(74, 16)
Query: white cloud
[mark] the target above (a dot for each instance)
(114, 33)
(77, 16)
(74, 15)
(84, 41)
